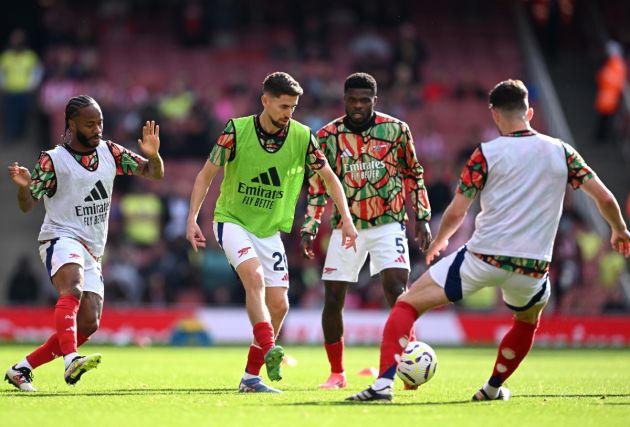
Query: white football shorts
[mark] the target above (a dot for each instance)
(240, 245)
(462, 273)
(386, 244)
(57, 252)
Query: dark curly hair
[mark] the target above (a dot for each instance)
(360, 81)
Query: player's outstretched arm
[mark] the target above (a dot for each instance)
(609, 208)
(21, 176)
(451, 220)
(150, 147)
(348, 231)
(199, 191)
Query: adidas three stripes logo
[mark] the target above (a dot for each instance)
(97, 193)
(268, 178)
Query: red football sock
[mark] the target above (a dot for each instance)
(50, 350)
(335, 356)
(398, 325)
(66, 323)
(512, 350)
(263, 334)
(255, 360)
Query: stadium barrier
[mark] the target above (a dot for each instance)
(206, 326)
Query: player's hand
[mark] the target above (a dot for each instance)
(150, 142)
(423, 235)
(306, 246)
(20, 175)
(434, 250)
(195, 236)
(620, 242)
(349, 235)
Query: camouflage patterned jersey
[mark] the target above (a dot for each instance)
(377, 167)
(473, 178)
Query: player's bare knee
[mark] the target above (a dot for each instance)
(334, 301)
(531, 315)
(74, 289)
(88, 327)
(278, 309)
(253, 281)
(393, 290)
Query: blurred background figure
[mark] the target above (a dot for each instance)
(20, 75)
(24, 283)
(611, 81)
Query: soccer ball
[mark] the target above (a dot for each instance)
(417, 363)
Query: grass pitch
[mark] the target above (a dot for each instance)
(161, 386)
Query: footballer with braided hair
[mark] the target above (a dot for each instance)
(75, 179)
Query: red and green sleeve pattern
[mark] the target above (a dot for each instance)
(43, 179)
(222, 152)
(474, 174)
(413, 176)
(579, 171)
(127, 162)
(317, 196)
(315, 157)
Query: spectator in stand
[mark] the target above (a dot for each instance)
(566, 271)
(20, 75)
(430, 146)
(142, 214)
(23, 283)
(410, 50)
(467, 87)
(611, 80)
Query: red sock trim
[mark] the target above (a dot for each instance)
(398, 325)
(255, 360)
(50, 350)
(334, 351)
(514, 346)
(264, 336)
(66, 323)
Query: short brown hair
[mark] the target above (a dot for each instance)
(279, 83)
(509, 95)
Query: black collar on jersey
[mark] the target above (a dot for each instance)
(78, 153)
(278, 136)
(359, 129)
(519, 133)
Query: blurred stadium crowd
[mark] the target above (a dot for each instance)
(191, 65)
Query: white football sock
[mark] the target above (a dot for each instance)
(68, 358)
(492, 392)
(24, 364)
(247, 376)
(382, 383)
